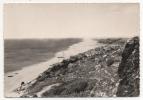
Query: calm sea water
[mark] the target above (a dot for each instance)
(25, 52)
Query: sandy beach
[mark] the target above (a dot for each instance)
(29, 73)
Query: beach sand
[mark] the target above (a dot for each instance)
(29, 73)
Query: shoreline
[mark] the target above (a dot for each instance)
(74, 49)
(33, 51)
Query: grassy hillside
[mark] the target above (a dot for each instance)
(93, 73)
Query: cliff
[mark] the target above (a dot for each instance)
(129, 70)
(101, 72)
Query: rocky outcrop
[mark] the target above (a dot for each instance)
(129, 70)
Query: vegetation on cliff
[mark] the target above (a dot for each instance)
(93, 73)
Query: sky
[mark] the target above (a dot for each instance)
(89, 20)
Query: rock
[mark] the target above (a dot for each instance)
(34, 96)
(109, 61)
(129, 70)
(73, 59)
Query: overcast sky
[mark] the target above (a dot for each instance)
(70, 20)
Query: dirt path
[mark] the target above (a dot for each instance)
(39, 94)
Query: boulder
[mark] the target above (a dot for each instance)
(109, 61)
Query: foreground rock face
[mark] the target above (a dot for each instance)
(129, 70)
